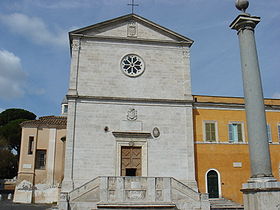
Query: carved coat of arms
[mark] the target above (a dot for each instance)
(132, 114)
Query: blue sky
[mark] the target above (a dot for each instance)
(35, 57)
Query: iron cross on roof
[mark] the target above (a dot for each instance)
(132, 6)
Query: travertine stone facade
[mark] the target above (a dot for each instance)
(109, 110)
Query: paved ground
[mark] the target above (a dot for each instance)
(9, 205)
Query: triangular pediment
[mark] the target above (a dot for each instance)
(131, 26)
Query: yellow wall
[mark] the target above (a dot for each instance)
(41, 142)
(222, 117)
(221, 155)
(59, 156)
(25, 158)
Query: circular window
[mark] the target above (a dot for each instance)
(132, 65)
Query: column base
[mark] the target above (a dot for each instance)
(262, 179)
(261, 195)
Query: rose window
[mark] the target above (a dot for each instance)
(132, 65)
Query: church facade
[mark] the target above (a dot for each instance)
(136, 137)
(130, 114)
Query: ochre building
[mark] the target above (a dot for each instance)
(41, 162)
(221, 144)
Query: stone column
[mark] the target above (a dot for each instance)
(262, 190)
(253, 95)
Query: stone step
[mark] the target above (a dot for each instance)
(107, 206)
(223, 203)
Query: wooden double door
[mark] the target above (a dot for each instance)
(131, 161)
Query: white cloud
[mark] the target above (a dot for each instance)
(276, 95)
(12, 77)
(33, 28)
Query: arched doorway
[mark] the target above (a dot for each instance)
(212, 184)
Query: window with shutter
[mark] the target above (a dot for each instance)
(239, 133)
(230, 132)
(268, 133)
(279, 132)
(210, 131)
(235, 132)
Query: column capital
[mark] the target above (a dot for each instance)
(245, 21)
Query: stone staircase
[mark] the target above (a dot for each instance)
(224, 204)
(134, 192)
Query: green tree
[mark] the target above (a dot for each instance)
(11, 132)
(8, 161)
(10, 138)
(14, 114)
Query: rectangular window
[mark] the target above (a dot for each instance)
(210, 131)
(65, 109)
(268, 133)
(40, 159)
(278, 132)
(235, 132)
(30, 145)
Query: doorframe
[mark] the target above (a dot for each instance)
(134, 142)
(219, 181)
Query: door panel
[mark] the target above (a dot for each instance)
(131, 161)
(212, 184)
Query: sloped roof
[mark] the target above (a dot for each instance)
(47, 121)
(133, 17)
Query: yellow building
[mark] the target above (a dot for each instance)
(220, 142)
(41, 161)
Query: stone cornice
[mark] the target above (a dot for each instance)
(204, 105)
(133, 17)
(134, 100)
(217, 105)
(133, 40)
(131, 134)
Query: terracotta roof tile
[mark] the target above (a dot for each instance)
(47, 121)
